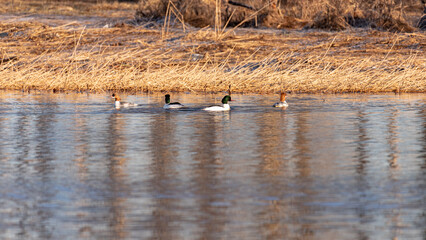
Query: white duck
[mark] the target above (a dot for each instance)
(118, 103)
(225, 106)
(282, 102)
(170, 105)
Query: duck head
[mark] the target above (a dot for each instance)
(116, 97)
(167, 98)
(282, 97)
(226, 99)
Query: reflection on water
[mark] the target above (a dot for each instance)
(339, 167)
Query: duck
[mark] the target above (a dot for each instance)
(225, 106)
(170, 105)
(118, 103)
(282, 102)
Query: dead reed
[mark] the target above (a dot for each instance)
(127, 58)
(391, 15)
(102, 8)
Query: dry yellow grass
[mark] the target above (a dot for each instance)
(69, 7)
(72, 57)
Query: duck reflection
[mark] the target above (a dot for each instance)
(22, 140)
(272, 134)
(116, 177)
(422, 185)
(301, 144)
(82, 152)
(362, 181)
(44, 164)
(393, 168)
(81, 139)
(272, 142)
(422, 114)
(302, 157)
(207, 172)
(164, 181)
(361, 148)
(2, 138)
(23, 147)
(393, 139)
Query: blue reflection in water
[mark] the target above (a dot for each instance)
(346, 167)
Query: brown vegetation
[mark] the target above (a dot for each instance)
(50, 54)
(392, 15)
(128, 58)
(69, 7)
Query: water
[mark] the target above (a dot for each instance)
(328, 167)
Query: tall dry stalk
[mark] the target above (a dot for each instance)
(222, 32)
(171, 8)
(164, 30)
(218, 18)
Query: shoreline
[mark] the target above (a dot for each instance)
(218, 94)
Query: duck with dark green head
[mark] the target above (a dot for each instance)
(225, 106)
(170, 105)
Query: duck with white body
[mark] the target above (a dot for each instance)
(169, 105)
(119, 104)
(225, 106)
(282, 103)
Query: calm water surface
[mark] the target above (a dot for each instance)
(328, 167)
